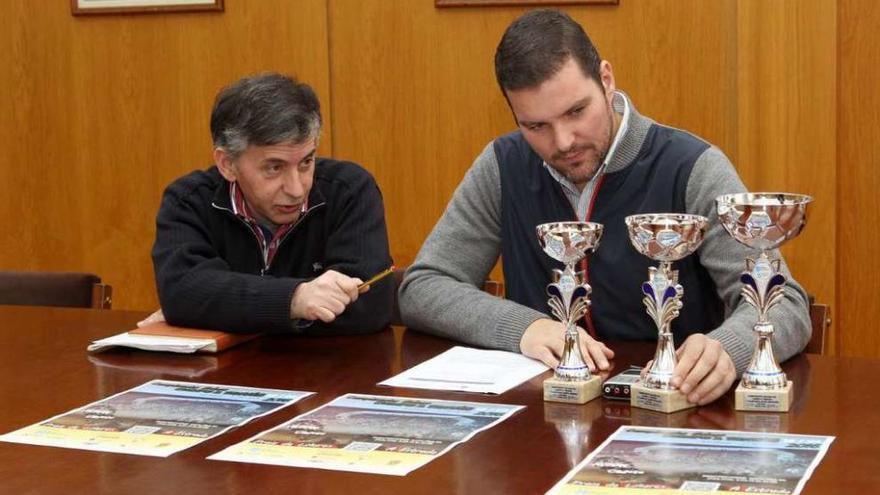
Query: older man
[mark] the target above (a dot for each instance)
(272, 238)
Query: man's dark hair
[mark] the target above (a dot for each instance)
(264, 110)
(537, 44)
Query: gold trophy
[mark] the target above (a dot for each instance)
(763, 221)
(665, 237)
(569, 242)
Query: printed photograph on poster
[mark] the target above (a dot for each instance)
(664, 459)
(157, 418)
(368, 433)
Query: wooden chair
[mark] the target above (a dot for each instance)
(77, 290)
(820, 317)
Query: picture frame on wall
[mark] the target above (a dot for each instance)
(86, 7)
(533, 3)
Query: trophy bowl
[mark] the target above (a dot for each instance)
(666, 237)
(763, 220)
(568, 242)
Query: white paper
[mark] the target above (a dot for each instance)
(151, 343)
(465, 369)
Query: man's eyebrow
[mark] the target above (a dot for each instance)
(580, 103)
(310, 155)
(528, 123)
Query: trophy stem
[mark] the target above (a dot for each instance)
(663, 302)
(660, 373)
(764, 372)
(572, 366)
(763, 289)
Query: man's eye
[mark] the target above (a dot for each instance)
(535, 127)
(577, 111)
(274, 168)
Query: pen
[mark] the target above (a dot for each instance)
(377, 277)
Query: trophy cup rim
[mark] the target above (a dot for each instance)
(686, 219)
(752, 199)
(591, 226)
(683, 217)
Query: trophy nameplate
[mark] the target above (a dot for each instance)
(663, 237)
(660, 400)
(774, 400)
(577, 392)
(763, 221)
(569, 242)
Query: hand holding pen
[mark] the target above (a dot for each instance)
(327, 296)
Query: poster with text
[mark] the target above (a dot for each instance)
(668, 460)
(157, 418)
(370, 434)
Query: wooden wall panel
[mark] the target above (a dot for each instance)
(786, 126)
(858, 161)
(99, 113)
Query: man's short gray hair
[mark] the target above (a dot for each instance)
(263, 110)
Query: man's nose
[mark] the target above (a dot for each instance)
(564, 136)
(293, 185)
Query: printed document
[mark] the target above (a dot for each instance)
(464, 369)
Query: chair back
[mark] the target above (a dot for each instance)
(77, 290)
(820, 317)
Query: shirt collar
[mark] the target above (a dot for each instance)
(241, 209)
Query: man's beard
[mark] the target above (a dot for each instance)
(570, 173)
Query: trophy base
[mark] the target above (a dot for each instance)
(579, 392)
(665, 401)
(779, 400)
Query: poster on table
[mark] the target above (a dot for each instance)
(669, 460)
(370, 434)
(157, 418)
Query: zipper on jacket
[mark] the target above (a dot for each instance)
(265, 250)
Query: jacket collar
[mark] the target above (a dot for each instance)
(634, 135)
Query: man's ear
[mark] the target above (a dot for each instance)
(224, 164)
(607, 76)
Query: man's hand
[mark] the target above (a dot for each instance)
(325, 297)
(153, 318)
(544, 340)
(704, 371)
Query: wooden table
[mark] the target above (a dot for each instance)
(46, 371)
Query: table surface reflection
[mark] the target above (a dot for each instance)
(48, 372)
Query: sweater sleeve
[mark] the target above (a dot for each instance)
(357, 245)
(198, 288)
(441, 292)
(724, 258)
